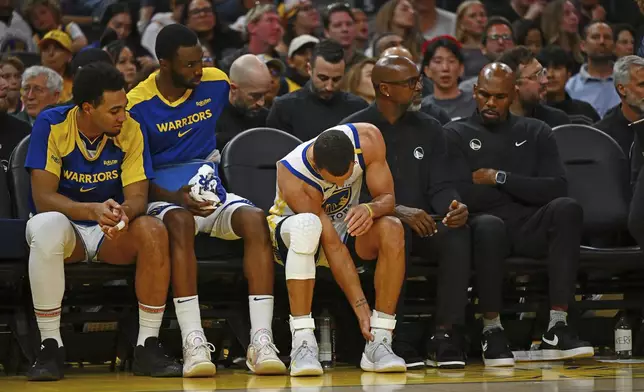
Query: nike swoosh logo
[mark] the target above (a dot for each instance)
(552, 342)
(83, 190)
(186, 300)
(484, 346)
(519, 144)
(181, 134)
(259, 299)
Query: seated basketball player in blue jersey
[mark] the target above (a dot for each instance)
(89, 180)
(318, 191)
(180, 106)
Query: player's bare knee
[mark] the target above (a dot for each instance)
(253, 223)
(180, 223)
(149, 232)
(390, 231)
(48, 231)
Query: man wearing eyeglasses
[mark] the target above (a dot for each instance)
(41, 87)
(509, 167)
(531, 83)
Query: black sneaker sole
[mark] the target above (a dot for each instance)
(44, 377)
(445, 364)
(164, 374)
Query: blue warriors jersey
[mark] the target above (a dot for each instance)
(182, 130)
(89, 171)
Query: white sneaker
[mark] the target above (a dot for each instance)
(196, 356)
(304, 360)
(261, 357)
(379, 357)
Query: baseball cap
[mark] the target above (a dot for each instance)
(60, 37)
(299, 41)
(272, 61)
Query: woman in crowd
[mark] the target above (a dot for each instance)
(560, 24)
(529, 34)
(118, 17)
(56, 53)
(471, 19)
(11, 69)
(624, 40)
(358, 80)
(45, 15)
(301, 18)
(124, 60)
(217, 39)
(399, 17)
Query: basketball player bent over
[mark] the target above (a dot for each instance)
(318, 188)
(89, 179)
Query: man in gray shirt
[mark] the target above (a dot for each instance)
(443, 64)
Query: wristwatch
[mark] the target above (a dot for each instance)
(501, 176)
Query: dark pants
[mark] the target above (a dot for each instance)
(554, 231)
(636, 213)
(450, 249)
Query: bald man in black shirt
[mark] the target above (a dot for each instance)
(512, 170)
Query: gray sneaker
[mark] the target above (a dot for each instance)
(304, 360)
(379, 357)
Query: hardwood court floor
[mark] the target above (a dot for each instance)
(526, 377)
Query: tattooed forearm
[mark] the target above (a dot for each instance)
(360, 302)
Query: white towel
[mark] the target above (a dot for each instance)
(204, 186)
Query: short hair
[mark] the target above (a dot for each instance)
(335, 8)
(171, 38)
(89, 56)
(93, 80)
(494, 21)
(444, 42)
(54, 80)
(619, 27)
(331, 51)
(555, 56)
(515, 57)
(376, 40)
(623, 67)
(333, 151)
(523, 28)
(590, 24)
(14, 62)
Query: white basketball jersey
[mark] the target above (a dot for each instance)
(336, 200)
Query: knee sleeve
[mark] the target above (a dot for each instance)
(301, 233)
(51, 233)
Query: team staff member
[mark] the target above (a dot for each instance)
(89, 178)
(180, 106)
(319, 104)
(531, 84)
(511, 169)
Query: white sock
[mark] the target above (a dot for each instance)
(261, 313)
(188, 315)
(300, 335)
(150, 318)
(49, 324)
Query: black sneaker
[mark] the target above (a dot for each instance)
(560, 342)
(496, 349)
(444, 352)
(50, 362)
(151, 360)
(409, 353)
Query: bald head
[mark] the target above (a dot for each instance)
(400, 51)
(397, 80)
(494, 92)
(249, 70)
(392, 68)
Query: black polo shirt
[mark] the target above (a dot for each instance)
(549, 115)
(233, 121)
(417, 156)
(579, 112)
(305, 115)
(12, 131)
(616, 126)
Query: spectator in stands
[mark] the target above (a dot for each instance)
(382, 42)
(45, 16)
(88, 56)
(41, 87)
(279, 86)
(497, 38)
(339, 25)
(250, 81)
(559, 65)
(103, 221)
(186, 100)
(443, 63)
(628, 74)
(11, 69)
(529, 34)
(160, 20)
(13, 129)
(512, 170)
(471, 19)
(560, 25)
(123, 59)
(118, 17)
(531, 81)
(399, 17)
(517, 10)
(214, 34)
(56, 53)
(416, 155)
(433, 20)
(362, 29)
(319, 104)
(231, 11)
(624, 40)
(264, 33)
(302, 18)
(358, 80)
(299, 56)
(594, 83)
(590, 10)
(15, 33)
(317, 207)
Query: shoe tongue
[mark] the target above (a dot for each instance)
(262, 337)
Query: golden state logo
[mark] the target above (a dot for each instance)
(337, 204)
(90, 178)
(189, 120)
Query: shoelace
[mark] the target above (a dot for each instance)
(207, 345)
(304, 347)
(269, 345)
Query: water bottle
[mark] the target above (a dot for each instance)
(326, 349)
(623, 339)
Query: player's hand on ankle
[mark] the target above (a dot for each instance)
(363, 313)
(198, 208)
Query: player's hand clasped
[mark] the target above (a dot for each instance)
(359, 219)
(457, 215)
(420, 221)
(109, 216)
(199, 208)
